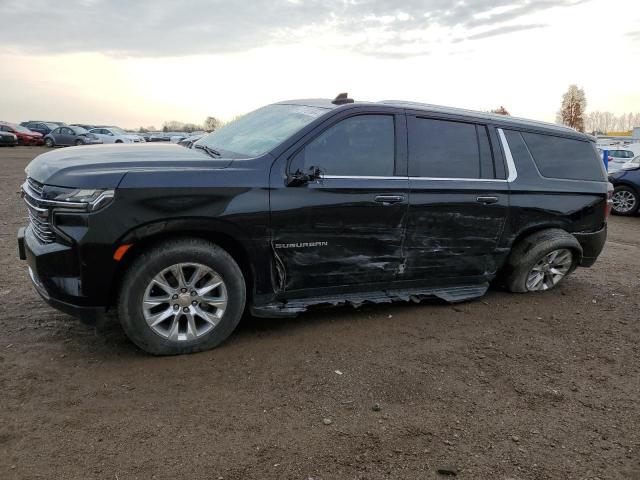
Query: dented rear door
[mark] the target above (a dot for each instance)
(459, 200)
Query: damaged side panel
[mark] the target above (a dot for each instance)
(336, 233)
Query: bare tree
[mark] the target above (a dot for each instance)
(500, 111)
(211, 124)
(572, 110)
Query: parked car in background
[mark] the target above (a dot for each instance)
(8, 139)
(25, 136)
(42, 128)
(618, 156)
(116, 135)
(159, 137)
(626, 184)
(86, 126)
(190, 140)
(69, 135)
(176, 137)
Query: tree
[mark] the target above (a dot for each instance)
(211, 124)
(572, 110)
(501, 111)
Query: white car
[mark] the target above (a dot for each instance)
(115, 135)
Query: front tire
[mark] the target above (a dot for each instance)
(49, 142)
(79, 143)
(625, 201)
(542, 260)
(182, 296)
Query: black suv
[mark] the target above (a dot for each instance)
(310, 202)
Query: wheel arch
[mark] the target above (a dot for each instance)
(626, 183)
(534, 229)
(148, 236)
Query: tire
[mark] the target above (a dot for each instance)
(118, 141)
(626, 201)
(530, 258)
(181, 333)
(49, 142)
(79, 143)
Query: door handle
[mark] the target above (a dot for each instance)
(487, 200)
(390, 199)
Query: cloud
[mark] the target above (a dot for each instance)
(634, 35)
(161, 28)
(503, 30)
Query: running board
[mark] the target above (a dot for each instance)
(291, 308)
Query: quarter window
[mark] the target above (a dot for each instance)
(558, 157)
(363, 145)
(446, 149)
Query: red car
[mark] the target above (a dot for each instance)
(25, 136)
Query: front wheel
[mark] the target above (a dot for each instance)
(79, 142)
(49, 142)
(625, 201)
(182, 296)
(542, 260)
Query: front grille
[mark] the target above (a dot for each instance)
(38, 216)
(36, 187)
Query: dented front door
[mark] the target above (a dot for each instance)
(346, 228)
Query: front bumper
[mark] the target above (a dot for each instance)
(592, 244)
(61, 292)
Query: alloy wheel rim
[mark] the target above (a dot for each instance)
(623, 201)
(549, 270)
(184, 302)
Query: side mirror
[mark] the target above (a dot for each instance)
(299, 178)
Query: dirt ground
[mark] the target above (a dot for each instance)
(538, 386)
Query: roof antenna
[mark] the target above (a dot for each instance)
(342, 99)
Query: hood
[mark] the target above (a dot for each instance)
(103, 166)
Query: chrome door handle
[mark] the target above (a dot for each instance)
(390, 199)
(487, 200)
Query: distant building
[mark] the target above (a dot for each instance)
(614, 139)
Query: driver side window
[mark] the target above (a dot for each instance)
(363, 145)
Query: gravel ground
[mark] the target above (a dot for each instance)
(538, 386)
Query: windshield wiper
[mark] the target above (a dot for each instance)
(211, 151)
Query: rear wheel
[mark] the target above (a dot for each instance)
(49, 142)
(542, 260)
(182, 296)
(625, 201)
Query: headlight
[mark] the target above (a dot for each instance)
(89, 199)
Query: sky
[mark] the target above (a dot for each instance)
(143, 62)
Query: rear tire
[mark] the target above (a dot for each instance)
(625, 201)
(194, 321)
(542, 260)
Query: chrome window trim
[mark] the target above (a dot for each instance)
(511, 166)
(366, 177)
(511, 170)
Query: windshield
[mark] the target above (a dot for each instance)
(118, 131)
(79, 130)
(261, 130)
(20, 128)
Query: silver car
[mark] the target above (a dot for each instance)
(70, 135)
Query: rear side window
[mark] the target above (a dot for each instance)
(357, 146)
(446, 149)
(558, 157)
